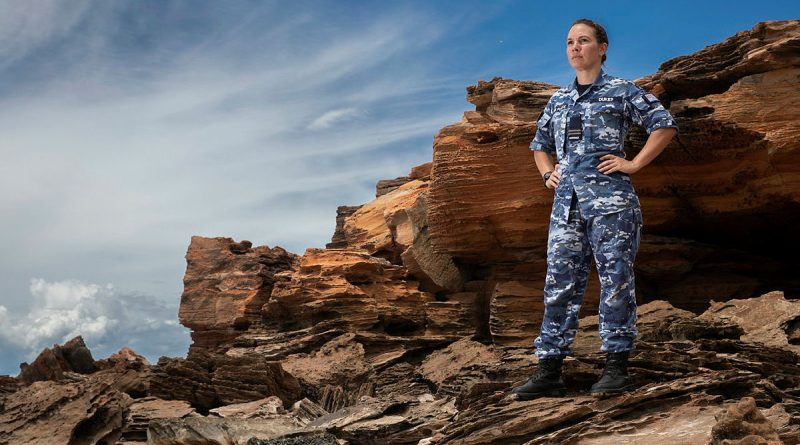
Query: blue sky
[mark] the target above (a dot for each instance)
(130, 126)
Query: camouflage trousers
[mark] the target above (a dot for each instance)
(613, 241)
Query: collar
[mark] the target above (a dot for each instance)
(599, 80)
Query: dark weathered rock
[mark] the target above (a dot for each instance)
(52, 363)
(385, 186)
(311, 439)
(222, 380)
(91, 409)
(181, 379)
(9, 384)
(142, 411)
(339, 240)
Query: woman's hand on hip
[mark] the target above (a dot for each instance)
(555, 178)
(613, 164)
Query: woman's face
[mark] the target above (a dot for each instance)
(583, 51)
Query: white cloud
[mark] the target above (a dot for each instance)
(332, 117)
(61, 310)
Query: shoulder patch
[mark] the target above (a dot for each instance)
(650, 98)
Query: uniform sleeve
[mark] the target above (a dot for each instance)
(646, 110)
(543, 141)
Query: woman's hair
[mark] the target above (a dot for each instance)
(599, 32)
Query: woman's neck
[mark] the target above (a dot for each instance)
(587, 76)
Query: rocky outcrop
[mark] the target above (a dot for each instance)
(209, 381)
(225, 286)
(52, 363)
(339, 239)
(768, 46)
(770, 319)
(421, 172)
(141, 411)
(76, 409)
(688, 369)
(694, 373)
(361, 291)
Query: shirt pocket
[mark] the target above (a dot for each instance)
(608, 116)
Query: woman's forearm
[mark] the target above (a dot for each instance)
(656, 143)
(543, 162)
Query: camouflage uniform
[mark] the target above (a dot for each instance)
(593, 213)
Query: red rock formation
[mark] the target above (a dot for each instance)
(141, 411)
(225, 286)
(52, 363)
(769, 46)
(361, 290)
(76, 409)
(382, 226)
(769, 319)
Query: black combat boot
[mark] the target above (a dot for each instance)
(545, 382)
(615, 378)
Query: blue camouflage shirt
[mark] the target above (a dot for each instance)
(603, 113)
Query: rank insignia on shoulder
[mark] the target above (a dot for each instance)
(650, 98)
(605, 99)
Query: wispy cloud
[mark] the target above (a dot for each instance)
(27, 26)
(331, 117)
(134, 129)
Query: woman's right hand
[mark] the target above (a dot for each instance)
(555, 178)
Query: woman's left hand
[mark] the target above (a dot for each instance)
(613, 164)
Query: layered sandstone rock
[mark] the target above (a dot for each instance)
(768, 46)
(382, 227)
(141, 411)
(84, 409)
(698, 382)
(209, 381)
(363, 291)
(225, 286)
(53, 363)
(339, 239)
(8, 384)
(770, 319)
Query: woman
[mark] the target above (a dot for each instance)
(595, 208)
